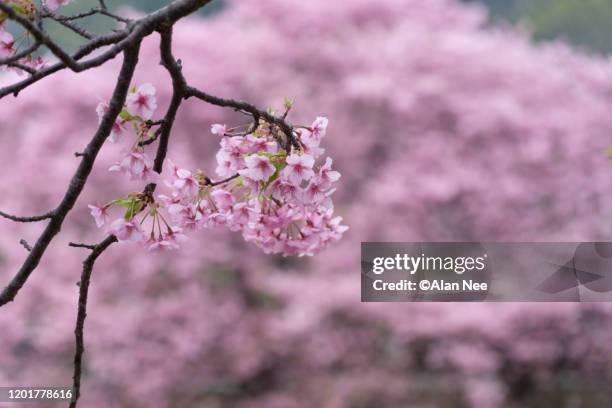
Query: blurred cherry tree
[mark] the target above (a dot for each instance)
(443, 130)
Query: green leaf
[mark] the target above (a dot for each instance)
(124, 202)
(134, 209)
(125, 115)
(18, 9)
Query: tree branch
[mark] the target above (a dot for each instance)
(252, 110)
(96, 251)
(34, 218)
(136, 31)
(80, 177)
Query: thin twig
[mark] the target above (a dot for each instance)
(211, 183)
(34, 218)
(252, 110)
(88, 264)
(25, 244)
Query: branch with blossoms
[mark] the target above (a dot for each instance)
(271, 183)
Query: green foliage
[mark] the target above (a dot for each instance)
(586, 24)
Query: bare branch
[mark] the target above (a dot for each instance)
(134, 33)
(70, 25)
(96, 251)
(34, 218)
(211, 183)
(25, 244)
(255, 112)
(79, 245)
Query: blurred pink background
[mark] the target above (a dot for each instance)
(442, 129)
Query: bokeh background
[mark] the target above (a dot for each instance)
(448, 120)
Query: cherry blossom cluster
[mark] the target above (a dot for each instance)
(275, 195)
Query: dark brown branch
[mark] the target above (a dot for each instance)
(22, 67)
(178, 91)
(252, 110)
(211, 183)
(96, 251)
(73, 17)
(25, 244)
(134, 33)
(82, 52)
(34, 218)
(80, 177)
(74, 27)
(107, 13)
(79, 245)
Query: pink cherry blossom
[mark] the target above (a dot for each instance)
(258, 168)
(118, 128)
(168, 241)
(137, 165)
(100, 214)
(6, 44)
(55, 4)
(225, 166)
(299, 167)
(224, 200)
(183, 181)
(142, 102)
(126, 230)
(319, 127)
(326, 176)
(218, 129)
(261, 144)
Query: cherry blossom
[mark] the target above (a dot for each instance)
(142, 102)
(258, 168)
(218, 129)
(262, 196)
(126, 230)
(55, 4)
(135, 164)
(118, 128)
(298, 168)
(100, 214)
(6, 44)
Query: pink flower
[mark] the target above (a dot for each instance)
(258, 168)
(314, 192)
(224, 200)
(218, 129)
(118, 128)
(261, 144)
(235, 148)
(319, 127)
(312, 136)
(183, 181)
(298, 168)
(135, 164)
(55, 4)
(126, 230)
(225, 166)
(142, 103)
(168, 241)
(326, 175)
(100, 214)
(6, 44)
